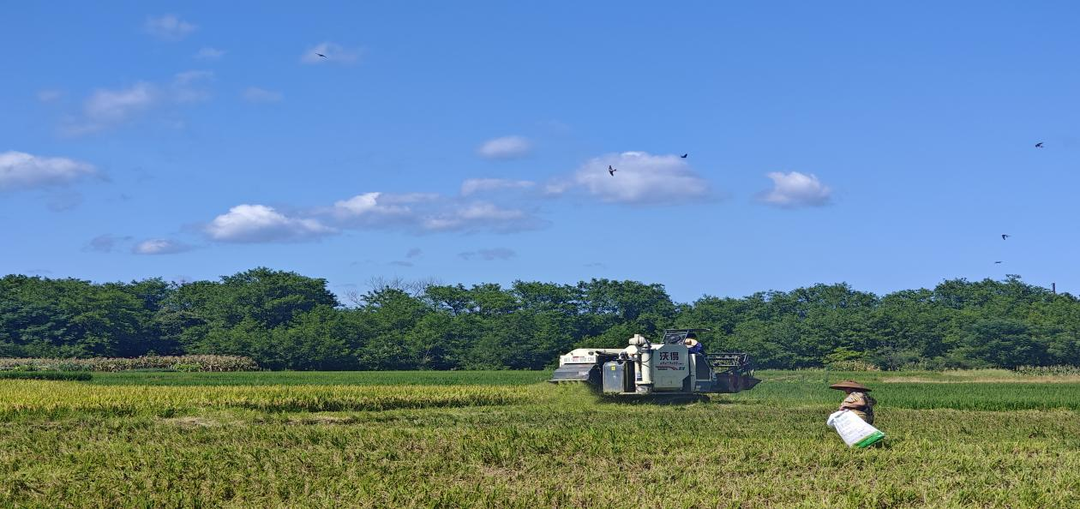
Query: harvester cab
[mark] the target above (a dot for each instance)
(676, 365)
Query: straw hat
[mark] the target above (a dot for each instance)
(849, 384)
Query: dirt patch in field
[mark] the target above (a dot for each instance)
(192, 422)
(1025, 380)
(323, 419)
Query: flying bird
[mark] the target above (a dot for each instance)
(611, 170)
(321, 55)
(1005, 236)
(684, 156)
(1039, 145)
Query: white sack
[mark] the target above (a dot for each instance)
(855, 431)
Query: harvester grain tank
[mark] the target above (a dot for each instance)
(671, 366)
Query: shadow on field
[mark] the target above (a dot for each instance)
(582, 393)
(659, 400)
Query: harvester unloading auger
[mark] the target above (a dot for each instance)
(669, 367)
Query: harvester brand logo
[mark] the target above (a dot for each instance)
(670, 361)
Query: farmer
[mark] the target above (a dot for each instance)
(693, 344)
(857, 400)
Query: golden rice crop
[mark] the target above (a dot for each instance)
(20, 398)
(209, 363)
(68, 444)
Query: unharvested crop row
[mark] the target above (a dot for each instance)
(987, 396)
(213, 363)
(60, 399)
(324, 378)
(45, 375)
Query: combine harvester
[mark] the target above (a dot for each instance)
(668, 368)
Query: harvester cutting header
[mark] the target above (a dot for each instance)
(676, 365)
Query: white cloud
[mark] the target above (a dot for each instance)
(332, 52)
(558, 186)
(488, 211)
(49, 95)
(507, 147)
(259, 223)
(19, 170)
(416, 213)
(260, 95)
(640, 179)
(189, 86)
(106, 108)
(160, 247)
(481, 216)
(168, 27)
(191, 77)
(208, 53)
(411, 198)
(472, 186)
(426, 212)
(498, 253)
(794, 189)
(371, 206)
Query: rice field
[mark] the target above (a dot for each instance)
(365, 378)
(501, 439)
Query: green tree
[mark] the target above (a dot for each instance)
(316, 340)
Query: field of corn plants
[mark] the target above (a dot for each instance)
(506, 439)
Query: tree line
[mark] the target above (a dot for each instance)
(284, 320)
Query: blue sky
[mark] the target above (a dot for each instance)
(885, 146)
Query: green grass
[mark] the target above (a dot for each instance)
(498, 440)
(45, 375)
(958, 390)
